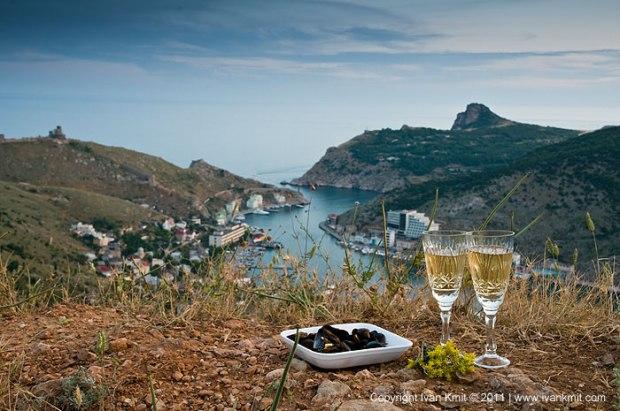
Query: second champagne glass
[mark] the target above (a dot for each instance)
(445, 252)
(490, 264)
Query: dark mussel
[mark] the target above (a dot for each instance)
(377, 336)
(319, 341)
(329, 339)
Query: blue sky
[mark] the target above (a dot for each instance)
(255, 86)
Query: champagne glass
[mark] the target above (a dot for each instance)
(490, 263)
(445, 252)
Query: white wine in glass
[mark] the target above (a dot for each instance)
(490, 265)
(445, 253)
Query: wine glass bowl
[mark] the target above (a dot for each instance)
(445, 253)
(490, 263)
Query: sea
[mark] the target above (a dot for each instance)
(297, 229)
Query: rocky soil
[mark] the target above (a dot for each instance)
(236, 364)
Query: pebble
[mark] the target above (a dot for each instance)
(364, 375)
(275, 374)
(608, 360)
(413, 386)
(177, 376)
(329, 391)
(120, 344)
(384, 389)
(299, 365)
(363, 405)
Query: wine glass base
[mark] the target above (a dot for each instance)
(491, 362)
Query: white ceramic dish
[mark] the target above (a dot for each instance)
(396, 345)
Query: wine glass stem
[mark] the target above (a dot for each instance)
(491, 348)
(445, 326)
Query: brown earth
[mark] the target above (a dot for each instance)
(234, 364)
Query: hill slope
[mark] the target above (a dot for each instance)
(35, 221)
(567, 179)
(122, 173)
(383, 160)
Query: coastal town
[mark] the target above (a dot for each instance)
(166, 250)
(404, 229)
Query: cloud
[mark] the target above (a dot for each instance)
(270, 66)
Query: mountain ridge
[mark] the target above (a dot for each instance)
(386, 159)
(566, 179)
(127, 174)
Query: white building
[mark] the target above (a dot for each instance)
(220, 217)
(280, 199)
(409, 223)
(255, 201)
(227, 236)
(391, 238)
(232, 207)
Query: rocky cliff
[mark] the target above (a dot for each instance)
(386, 159)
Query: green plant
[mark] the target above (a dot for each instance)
(278, 396)
(102, 344)
(80, 391)
(152, 393)
(444, 361)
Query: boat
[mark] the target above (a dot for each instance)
(260, 212)
(299, 205)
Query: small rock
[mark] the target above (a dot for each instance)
(96, 372)
(141, 407)
(310, 383)
(160, 405)
(47, 389)
(85, 356)
(329, 391)
(608, 360)
(413, 386)
(299, 365)
(363, 405)
(120, 344)
(469, 378)
(41, 348)
(407, 374)
(275, 374)
(177, 376)
(364, 375)
(246, 345)
(449, 405)
(428, 393)
(383, 390)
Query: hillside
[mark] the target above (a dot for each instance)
(35, 221)
(383, 160)
(126, 174)
(567, 179)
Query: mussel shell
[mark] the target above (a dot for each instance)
(373, 344)
(363, 333)
(341, 334)
(319, 341)
(377, 336)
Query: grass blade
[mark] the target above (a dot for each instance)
(276, 400)
(502, 202)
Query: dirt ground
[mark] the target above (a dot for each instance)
(235, 365)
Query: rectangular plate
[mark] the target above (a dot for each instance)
(396, 345)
